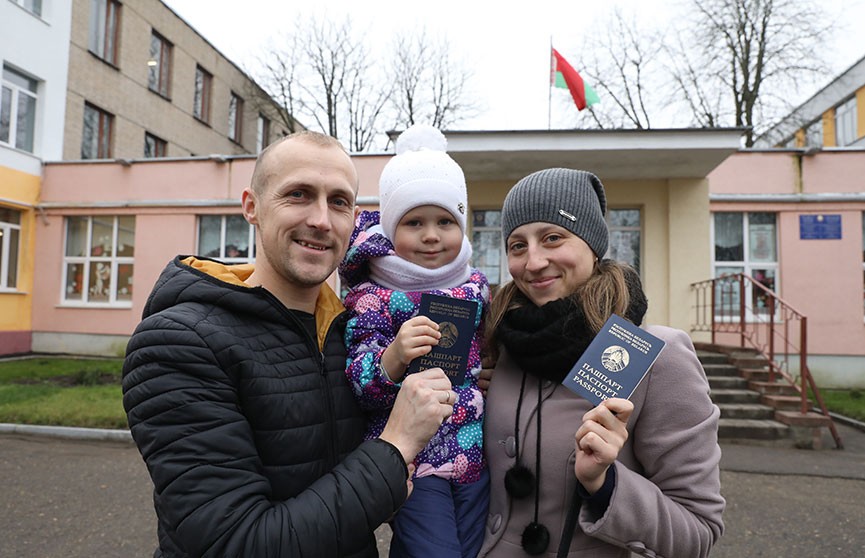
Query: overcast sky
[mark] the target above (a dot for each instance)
(508, 48)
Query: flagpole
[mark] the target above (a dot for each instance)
(550, 88)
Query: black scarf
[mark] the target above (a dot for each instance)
(547, 340)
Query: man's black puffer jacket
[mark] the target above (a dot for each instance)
(251, 434)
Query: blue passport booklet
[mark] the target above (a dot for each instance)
(456, 320)
(615, 362)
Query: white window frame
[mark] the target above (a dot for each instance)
(747, 266)
(636, 228)
(6, 266)
(85, 261)
(845, 123)
(223, 246)
(504, 273)
(32, 6)
(14, 92)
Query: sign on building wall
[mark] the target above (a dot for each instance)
(819, 227)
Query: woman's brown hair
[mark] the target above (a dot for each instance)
(603, 294)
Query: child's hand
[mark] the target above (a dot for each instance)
(416, 337)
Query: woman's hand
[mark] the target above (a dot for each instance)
(599, 440)
(416, 337)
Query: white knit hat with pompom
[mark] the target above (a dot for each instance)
(421, 173)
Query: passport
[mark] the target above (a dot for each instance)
(456, 319)
(615, 362)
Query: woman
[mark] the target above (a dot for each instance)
(638, 475)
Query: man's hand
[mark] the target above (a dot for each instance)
(599, 440)
(484, 377)
(424, 402)
(416, 337)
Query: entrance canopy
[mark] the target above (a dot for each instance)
(611, 154)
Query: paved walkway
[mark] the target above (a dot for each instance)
(68, 498)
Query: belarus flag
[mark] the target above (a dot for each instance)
(565, 76)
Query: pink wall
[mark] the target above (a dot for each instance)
(368, 172)
(160, 232)
(150, 180)
(823, 279)
(754, 172)
(834, 171)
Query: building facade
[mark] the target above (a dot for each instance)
(105, 80)
(143, 83)
(832, 117)
(32, 102)
(794, 220)
(113, 226)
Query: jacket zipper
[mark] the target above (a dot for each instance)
(333, 449)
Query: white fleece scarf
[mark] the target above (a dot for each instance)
(396, 273)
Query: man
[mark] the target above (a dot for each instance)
(235, 390)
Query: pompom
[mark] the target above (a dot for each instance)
(421, 137)
(536, 539)
(519, 481)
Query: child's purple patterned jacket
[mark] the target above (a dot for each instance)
(376, 314)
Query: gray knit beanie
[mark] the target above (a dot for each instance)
(572, 199)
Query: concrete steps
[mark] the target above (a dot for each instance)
(753, 409)
(752, 429)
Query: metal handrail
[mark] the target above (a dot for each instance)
(720, 308)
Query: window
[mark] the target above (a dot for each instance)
(32, 6)
(487, 246)
(814, 134)
(201, 102)
(235, 117)
(228, 238)
(18, 110)
(845, 123)
(262, 137)
(104, 29)
(625, 236)
(159, 65)
(746, 243)
(154, 146)
(10, 232)
(96, 137)
(98, 260)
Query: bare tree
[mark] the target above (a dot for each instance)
(430, 84)
(751, 54)
(365, 102)
(324, 75)
(277, 75)
(624, 70)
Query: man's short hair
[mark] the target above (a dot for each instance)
(261, 174)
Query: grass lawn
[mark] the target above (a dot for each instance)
(62, 392)
(850, 403)
(79, 392)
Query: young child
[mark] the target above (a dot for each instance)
(417, 244)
